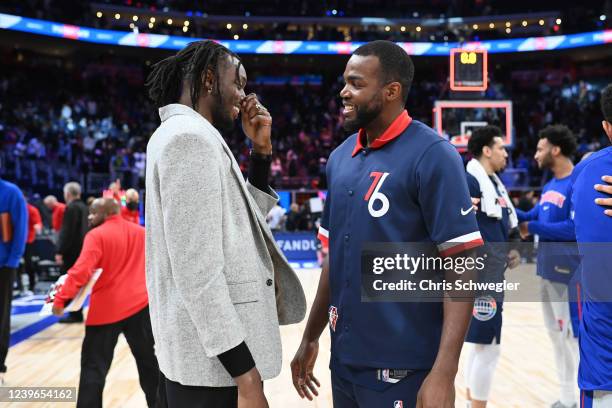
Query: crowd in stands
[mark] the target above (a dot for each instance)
(96, 128)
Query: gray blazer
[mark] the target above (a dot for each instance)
(215, 276)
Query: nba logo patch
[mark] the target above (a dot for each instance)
(333, 317)
(398, 404)
(485, 308)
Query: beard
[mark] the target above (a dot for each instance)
(364, 114)
(546, 162)
(222, 117)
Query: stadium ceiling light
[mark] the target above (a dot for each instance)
(491, 25)
(117, 16)
(185, 28)
(229, 26)
(403, 28)
(602, 17)
(152, 19)
(150, 25)
(236, 36)
(135, 18)
(558, 21)
(99, 14)
(541, 22)
(524, 23)
(475, 26)
(334, 12)
(132, 26)
(186, 23)
(169, 21)
(387, 28)
(418, 29)
(245, 26)
(508, 30)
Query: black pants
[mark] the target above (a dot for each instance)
(7, 277)
(97, 356)
(180, 396)
(30, 268)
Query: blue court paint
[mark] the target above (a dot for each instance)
(31, 305)
(30, 330)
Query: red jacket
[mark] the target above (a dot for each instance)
(117, 246)
(57, 216)
(33, 219)
(132, 216)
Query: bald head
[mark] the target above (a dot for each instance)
(50, 202)
(131, 195)
(100, 209)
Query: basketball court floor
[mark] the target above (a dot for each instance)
(49, 354)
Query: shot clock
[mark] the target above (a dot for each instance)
(468, 69)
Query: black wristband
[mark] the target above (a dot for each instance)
(260, 156)
(259, 170)
(238, 360)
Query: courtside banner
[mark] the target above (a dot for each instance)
(498, 272)
(297, 246)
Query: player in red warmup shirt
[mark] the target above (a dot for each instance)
(119, 301)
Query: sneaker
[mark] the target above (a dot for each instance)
(559, 404)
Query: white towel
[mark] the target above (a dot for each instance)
(488, 202)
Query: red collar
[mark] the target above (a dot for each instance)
(396, 128)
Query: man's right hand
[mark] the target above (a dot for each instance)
(302, 367)
(250, 390)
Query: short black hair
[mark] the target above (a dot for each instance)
(165, 82)
(562, 136)
(481, 137)
(395, 63)
(606, 103)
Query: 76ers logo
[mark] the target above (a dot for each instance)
(374, 195)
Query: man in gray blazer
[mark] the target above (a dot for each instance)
(218, 284)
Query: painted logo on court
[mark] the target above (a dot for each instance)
(485, 308)
(333, 317)
(398, 404)
(375, 197)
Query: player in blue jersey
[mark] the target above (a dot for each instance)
(496, 217)
(393, 180)
(550, 220)
(594, 236)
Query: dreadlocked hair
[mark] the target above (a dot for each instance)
(165, 82)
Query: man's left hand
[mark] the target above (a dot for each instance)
(57, 311)
(437, 391)
(524, 229)
(257, 124)
(606, 189)
(514, 259)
